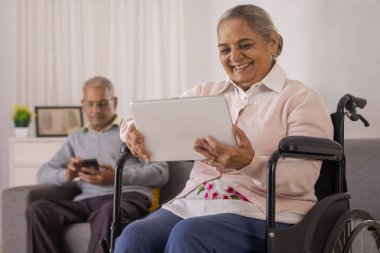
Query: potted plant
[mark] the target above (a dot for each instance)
(21, 119)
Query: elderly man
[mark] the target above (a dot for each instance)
(98, 139)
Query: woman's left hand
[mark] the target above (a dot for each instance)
(226, 157)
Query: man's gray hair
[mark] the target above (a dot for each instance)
(258, 19)
(100, 81)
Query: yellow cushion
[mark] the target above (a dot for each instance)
(155, 199)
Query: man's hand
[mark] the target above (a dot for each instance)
(73, 168)
(104, 176)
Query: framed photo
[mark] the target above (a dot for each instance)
(57, 121)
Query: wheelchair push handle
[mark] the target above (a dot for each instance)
(355, 102)
(350, 103)
(360, 102)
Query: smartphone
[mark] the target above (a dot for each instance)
(90, 163)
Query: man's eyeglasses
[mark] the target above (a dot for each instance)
(102, 104)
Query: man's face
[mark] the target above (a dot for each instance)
(99, 106)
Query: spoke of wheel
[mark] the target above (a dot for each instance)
(347, 238)
(362, 242)
(376, 239)
(340, 244)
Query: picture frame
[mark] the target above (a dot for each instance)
(57, 121)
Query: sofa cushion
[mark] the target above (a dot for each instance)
(76, 237)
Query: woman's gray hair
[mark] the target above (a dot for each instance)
(257, 18)
(100, 81)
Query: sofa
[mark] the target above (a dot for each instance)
(75, 237)
(363, 175)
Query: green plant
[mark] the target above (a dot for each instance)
(21, 116)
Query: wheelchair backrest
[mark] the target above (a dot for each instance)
(328, 178)
(328, 181)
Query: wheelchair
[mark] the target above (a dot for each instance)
(330, 226)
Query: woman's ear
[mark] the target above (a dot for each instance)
(274, 40)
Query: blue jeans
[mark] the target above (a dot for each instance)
(162, 231)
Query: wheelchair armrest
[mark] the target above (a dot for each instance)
(302, 147)
(310, 147)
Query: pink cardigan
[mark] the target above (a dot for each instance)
(272, 109)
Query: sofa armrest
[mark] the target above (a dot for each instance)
(15, 201)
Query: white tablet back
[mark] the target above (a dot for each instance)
(171, 126)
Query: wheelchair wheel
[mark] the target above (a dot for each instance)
(364, 238)
(355, 231)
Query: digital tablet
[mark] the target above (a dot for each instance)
(171, 126)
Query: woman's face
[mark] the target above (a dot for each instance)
(245, 55)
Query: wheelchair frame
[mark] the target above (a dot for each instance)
(312, 232)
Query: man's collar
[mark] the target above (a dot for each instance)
(274, 80)
(116, 122)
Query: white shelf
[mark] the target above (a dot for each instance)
(26, 157)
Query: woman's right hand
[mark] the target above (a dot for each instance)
(135, 142)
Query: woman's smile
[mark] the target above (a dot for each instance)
(240, 68)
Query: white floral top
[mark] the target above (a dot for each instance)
(215, 196)
(215, 189)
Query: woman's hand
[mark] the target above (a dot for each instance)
(135, 143)
(226, 157)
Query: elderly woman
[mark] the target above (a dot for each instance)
(222, 208)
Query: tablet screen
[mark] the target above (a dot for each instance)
(171, 126)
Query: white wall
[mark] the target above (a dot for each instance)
(333, 46)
